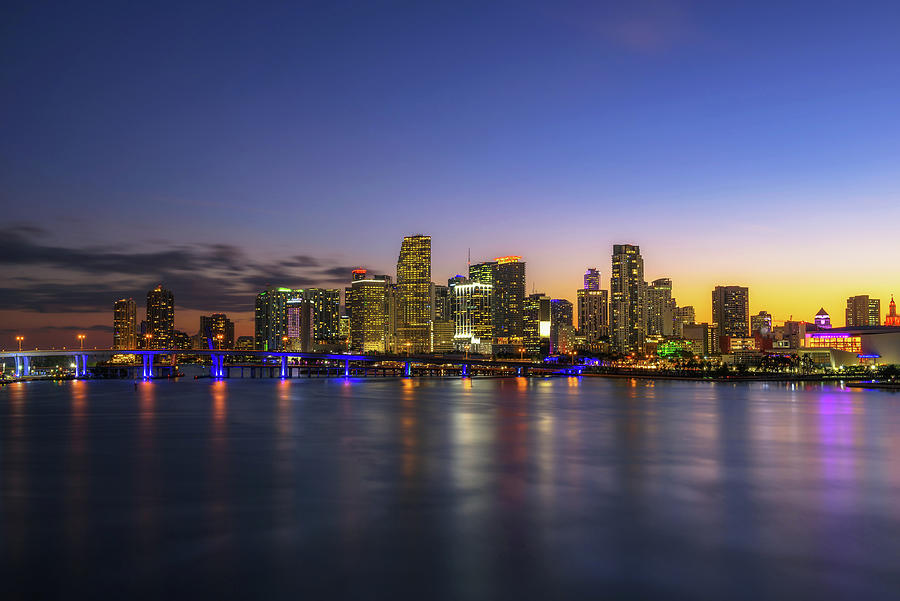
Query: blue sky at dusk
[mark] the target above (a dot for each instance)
(237, 143)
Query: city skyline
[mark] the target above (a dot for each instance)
(241, 310)
(726, 140)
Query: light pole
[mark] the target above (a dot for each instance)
(219, 338)
(407, 349)
(521, 353)
(147, 340)
(81, 340)
(284, 340)
(467, 351)
(19, 339)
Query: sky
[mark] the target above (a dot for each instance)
(218, 147)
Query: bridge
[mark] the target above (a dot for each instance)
(285, 364)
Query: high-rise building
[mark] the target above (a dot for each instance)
(474, 329)
(160, 318)
(414, 310)
(592, 279)
(660, 308)
(508, 275)
(761, 323)
(683, 316)
(536, 325)
(326, 307)
(124, 324)
(731, 311)
(560, 315)
(892, 320)
(299, 322)
(593, 316)
(212, 327)
(627, 303)
(370, 314)
(482, 273)
(441, 302)
(271, 318)
(822, 319)
(863, 311)
(703, 338)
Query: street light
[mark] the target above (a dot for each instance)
(407, 349)
(147, 339)
(19, 339)
(219, 338)
(81, 340)
(521, 353)
(284, 340)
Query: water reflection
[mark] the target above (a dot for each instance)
(506, 488)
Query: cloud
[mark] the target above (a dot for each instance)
(204, 277)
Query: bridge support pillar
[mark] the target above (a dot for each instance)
(408, 369)
(18, 366)
(84, 360)
(346, 368)
(26, 368)
(465, 370)
(284, 366)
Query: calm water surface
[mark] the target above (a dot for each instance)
(448, 489)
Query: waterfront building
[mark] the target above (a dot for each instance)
(683, 316)
(627, 299)
(892, 320)
(442, 334)
(593, 316)
(474, 330)
(822, 320)
(536, 325)
(482, 273)
(441, 303)
(863, 311)
(592, 279)
(299, 322)
(560, 314)
(731, 311)
(703, 337)
(211, 328)
(414, 308)
(761, 323)
(326, 319)
(371, 313)
(244, 343)
(508, 305)
(660, 308)
(270, 318)
(160, 318)
(124, 324)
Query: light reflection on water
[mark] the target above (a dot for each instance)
(494, 488)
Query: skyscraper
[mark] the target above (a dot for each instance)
(593, 316)
(536, 325)
(660, 308)
(474, 329)
(414, 311)
(482, 273)
(592, 279)
(271, 318)
(326, 307)
(124, 324)
(508, 275)
(160, 318)
(683, 316)
(370, 314)
(731, 313)
(213, 326)
(863, 311)
(560, 315)
(627, 306)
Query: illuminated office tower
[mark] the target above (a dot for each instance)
(474, 317)
(627, 299)
(160, 318)
(357, 274)
(761, 323)
(326, 307)
(299, 322)
(592, 279)
(508, 275)
(684, 316)
(370, 314)
(440, 302)
(892, 320)
(536, 325)
(731, 313)
(560, 315)
(414, 310)
(271, 318)
(212, 327)
(593, 316)
(863, 311)
(660, 308)
(482, 273)
(124, 324)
